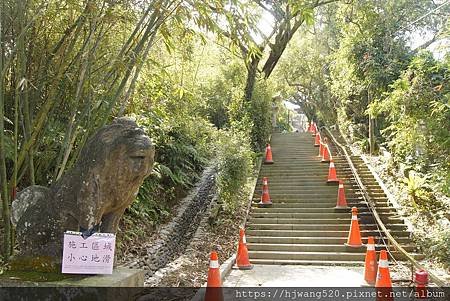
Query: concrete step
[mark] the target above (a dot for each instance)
(299, 167)
(315, 247)
(319, 221)
(364, 218)
(294, 208)
(330, 201)
(324, 227)
(317, 217)
(302, 226)
(308, 262)
(345, 256)
(280, 197)
(322, 212)
(277, 188)
(285, 178)
(318, 233)
(326, 256)
(314, 240)
(325, 190)
(319, 169)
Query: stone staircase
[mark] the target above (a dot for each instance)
(302, 226)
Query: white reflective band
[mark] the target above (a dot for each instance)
(331, 165)
(370, 248)
(354, 217)
(264, 182)
(341, 185)
(244, 240)
(214, 264)
(383, 263)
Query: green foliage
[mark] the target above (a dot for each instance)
(182, 138)
(235, 163)
(224, 94)
(261, 114)
(365, 64)
(418, 111)
(441, 247)
(437, 245)
(416, 188)
(225, 105)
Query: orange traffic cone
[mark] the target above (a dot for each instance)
(214, 283)
(384, 283)
(370, 267)
(242, 261)
(214, 271)
(313, 129)
(268, 159)
(326, 154)
(354, 237)
(310, 127)
(332, 178)
(341, 202)
(317, 140)
(265, 197)
(320, 149)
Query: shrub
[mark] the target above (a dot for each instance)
(261, 112)
(235, 163)
(442, 247)
(418, 112)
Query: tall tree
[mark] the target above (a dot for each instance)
(288, 16)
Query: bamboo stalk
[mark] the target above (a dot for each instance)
(41, 118)
(71, 133)
(156, 20)
(135, 77)
(3, 176)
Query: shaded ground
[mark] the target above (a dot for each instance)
(191, 268)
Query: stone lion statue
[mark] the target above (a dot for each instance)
(91, 197)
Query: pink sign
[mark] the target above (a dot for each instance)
(93, 255)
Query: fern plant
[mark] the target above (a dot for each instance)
(414, 185)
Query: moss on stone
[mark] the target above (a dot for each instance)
(35, 264)
(34, 276)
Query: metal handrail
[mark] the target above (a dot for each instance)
(380, 223)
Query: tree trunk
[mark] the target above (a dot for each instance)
(281, 42)
(371, 136)
(252, 72)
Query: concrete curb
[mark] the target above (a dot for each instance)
(226, 267)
